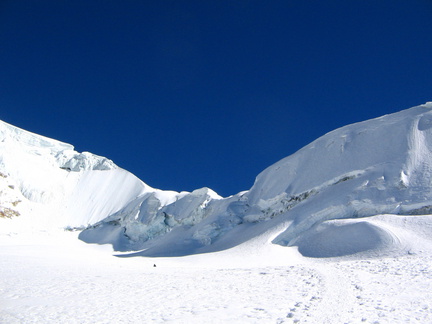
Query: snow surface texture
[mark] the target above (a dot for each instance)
(55, 278)
(380, 166)
(338, 232)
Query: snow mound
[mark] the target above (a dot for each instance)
(368, 237)
(342, 238)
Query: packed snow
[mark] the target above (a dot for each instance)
(338, 232)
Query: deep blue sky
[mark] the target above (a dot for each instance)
(186, 94)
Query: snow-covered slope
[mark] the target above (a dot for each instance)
(374, 167)
(380, 166)
(51, 185)
(325, 201)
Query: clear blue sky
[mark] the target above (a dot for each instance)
(187, 94)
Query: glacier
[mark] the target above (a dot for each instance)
(337, 186)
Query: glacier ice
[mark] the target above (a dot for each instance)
(379, 166)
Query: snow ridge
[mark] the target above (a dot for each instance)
(379, 166)
(356, 171)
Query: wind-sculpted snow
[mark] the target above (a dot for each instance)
(147, 217)
(74, 161)
(14, 139)
(50, 184)
(380, 166)
(325, 201)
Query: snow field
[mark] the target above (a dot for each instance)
(49, 278)
(338, 232)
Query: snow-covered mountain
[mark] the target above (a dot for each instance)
(331, 188)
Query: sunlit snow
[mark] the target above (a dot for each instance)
(338, 232)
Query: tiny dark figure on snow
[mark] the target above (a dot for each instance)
(154, 265)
